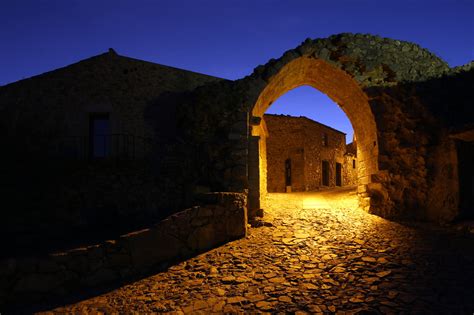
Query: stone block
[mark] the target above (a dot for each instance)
(381, 176)
(101, 276)
(149, 247)
(48, 266)
(27, 265)
(78, 263)
(205, 212)
(236, 225)
(202, 238)
(95, 252)
(199, 221)
(361, 189)
(37, 282)
(7, 267)
(374, 186)
(118, 260)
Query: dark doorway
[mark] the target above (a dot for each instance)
(288, 172)
(99, 135)
(466, 179)
(338, 174)
(325, 173)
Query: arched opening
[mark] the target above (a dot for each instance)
(344, 91)
(307, 128)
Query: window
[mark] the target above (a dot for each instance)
(325, 139)
(353, 163)
(99, 135)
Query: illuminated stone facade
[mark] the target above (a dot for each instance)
(297, 148)
(411, 114)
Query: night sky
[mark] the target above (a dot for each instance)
(225, 38)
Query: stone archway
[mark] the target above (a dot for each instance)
(372, 79)
(387, 88)
(340, 87)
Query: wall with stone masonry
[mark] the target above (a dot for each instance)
(349, 172)
(98, 198)
(40, 109)
(377, 82)
(401, 99)
(222, 217)
(285, 141)
(315, 153)
(403, 102)
(300, 139)
(39, 116)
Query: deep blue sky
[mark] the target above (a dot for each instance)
(224, 38)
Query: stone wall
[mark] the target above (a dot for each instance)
(221, 218)
(379, 83)
(316, 152)
(38, 110)
(401, 100)
(301, 140)
(99, 199)
(349, 170)
(285, 141)
(44, 123)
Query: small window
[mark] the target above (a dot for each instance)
(325, 139)
(353, 163)
(99, 135)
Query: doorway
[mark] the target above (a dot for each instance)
(288, 175)
(338, 174)
(325, 173)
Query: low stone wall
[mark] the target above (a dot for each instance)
(222, 218)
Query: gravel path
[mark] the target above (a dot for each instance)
(315, 253)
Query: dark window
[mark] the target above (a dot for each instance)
(325, 173)
(353, 163)
(325, 139)
(288, 172)
(99, 135)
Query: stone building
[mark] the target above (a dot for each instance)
(305, 155)
(114, 142)
(78, 144)
(349, 170)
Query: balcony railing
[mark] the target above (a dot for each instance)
(119, 146)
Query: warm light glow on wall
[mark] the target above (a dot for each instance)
(343, 90)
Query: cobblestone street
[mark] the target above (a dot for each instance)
(314, 253)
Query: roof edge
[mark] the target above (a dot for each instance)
(304, 117)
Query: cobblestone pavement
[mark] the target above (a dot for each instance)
(315, 254)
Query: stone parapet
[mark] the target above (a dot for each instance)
(221, 218)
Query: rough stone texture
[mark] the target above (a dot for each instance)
(350, 168)
(100, 199)
(44, 123)
(57, 104)
(318, 256)
(221, 218)
(401, 100)
(301, 140)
